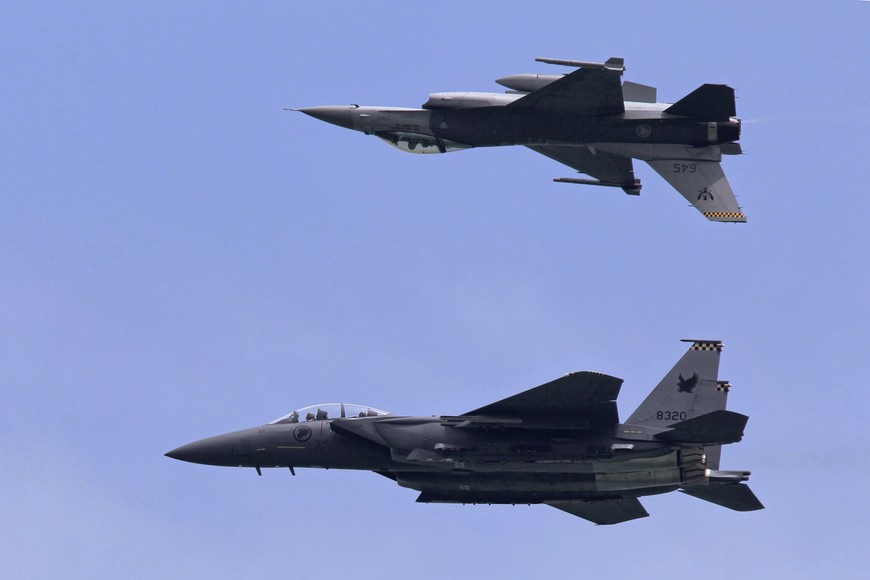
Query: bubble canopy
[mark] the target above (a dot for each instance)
(326, 411)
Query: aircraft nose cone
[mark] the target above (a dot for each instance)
(341, 116)
(212, 451)
(192, 452)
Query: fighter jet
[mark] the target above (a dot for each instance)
(559, 444)
(587, 120)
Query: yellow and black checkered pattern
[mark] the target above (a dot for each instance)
(732, 215)
(717, 346)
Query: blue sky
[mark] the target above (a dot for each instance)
(180, 257)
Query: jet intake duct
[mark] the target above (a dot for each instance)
(420, 143)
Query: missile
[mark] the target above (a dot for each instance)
(613, 64)
(631, 188)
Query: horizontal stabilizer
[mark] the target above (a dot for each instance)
(734, 497)
(603, 512)
(708, 102)
(716, 428)
(703, 184)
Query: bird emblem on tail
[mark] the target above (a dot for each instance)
(687, 385)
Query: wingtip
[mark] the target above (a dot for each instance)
(734, 217)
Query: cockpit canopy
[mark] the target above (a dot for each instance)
(329, 411)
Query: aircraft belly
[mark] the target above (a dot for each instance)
(486, 481)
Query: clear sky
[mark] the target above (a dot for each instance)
(181, 257)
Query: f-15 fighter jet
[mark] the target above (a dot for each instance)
(588, 120)
(559, 444)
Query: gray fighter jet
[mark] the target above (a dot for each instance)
(559, 444)
(588, 120)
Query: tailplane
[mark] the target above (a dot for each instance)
(736, 497)
(716, 428)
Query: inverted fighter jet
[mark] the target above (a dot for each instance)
(559, 444)
(588, 120)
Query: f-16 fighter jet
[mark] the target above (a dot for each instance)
(559, 444)
(588, 120)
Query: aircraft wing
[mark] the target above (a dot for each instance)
(605, 511)
(585, 92)
(704, 184)
(607, 167)
(583, 400)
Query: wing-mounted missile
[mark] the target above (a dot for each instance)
(631, 188)
(612, 64)
(529, 83)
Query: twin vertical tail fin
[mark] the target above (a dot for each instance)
(689, 405)
(689, 390)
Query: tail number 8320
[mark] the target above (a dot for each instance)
(672, 415)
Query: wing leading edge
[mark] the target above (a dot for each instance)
(583, 400)
(585, 92)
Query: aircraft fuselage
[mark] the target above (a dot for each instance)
(449, 463)
(495, 126)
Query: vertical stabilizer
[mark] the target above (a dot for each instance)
(711, 102)
(713, 453)
(690, 389)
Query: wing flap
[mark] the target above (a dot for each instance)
(603, 512)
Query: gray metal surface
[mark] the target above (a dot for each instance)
(559, 444)
(588, 120)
